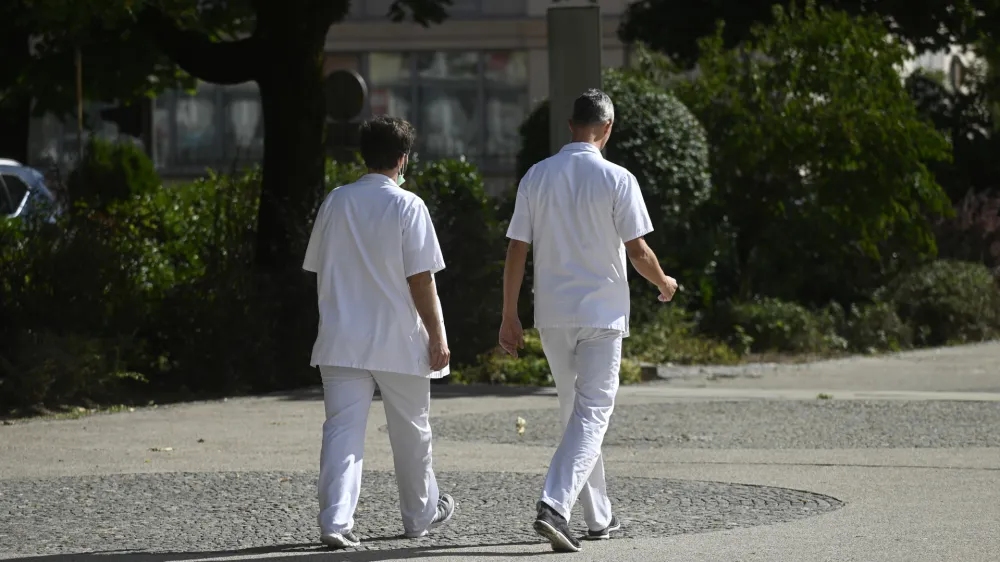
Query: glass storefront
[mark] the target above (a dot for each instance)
(462, 103)
(220, 127)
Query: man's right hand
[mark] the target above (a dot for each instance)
(511, 336)
(440, 355)
(667, 289)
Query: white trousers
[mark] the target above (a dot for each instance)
(347, 395)
(585, 364)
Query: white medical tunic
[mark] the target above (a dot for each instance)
(577, 210)
(368, 238)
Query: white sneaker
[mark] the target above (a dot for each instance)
(341, 540)
(445, 509)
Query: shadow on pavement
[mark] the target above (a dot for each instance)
(438, 392)
(289, 553)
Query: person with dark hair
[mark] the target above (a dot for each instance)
(582, 215)
(375, 252)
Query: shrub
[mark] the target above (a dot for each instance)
(769, 325)
(472, 241)
(671, 338)
(657, 139)
(111, 172)
(59, 369)
(948, 302)
(871, 328)
(530, 368)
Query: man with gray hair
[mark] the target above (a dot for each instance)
(583, 215)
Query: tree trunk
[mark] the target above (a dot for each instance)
(15, 107)
(293, 107)
(15, 124)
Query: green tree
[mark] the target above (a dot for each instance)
(966, 119)
(39, 40)
(280, 46)
(819, 157)
(675, 26)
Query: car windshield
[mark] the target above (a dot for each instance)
(12, 192)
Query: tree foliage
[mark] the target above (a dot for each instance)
(967, 120)
(819, 157)
(675, 26)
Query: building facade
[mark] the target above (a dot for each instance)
(466, 84)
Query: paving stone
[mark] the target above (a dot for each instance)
(758, 424)
(225, 512)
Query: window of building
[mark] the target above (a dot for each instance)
(462, 103)
(459, 9)
(221, 127)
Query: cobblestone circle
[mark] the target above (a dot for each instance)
(225, 512)
(757, 424)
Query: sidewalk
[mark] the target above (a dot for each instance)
(902, 464)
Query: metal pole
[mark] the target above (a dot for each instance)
(574, 36)
(79, 105)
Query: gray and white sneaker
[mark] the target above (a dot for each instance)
(445, 509)
(553, 526)
(605, 534)
(346, 539)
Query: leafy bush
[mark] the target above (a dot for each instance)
(671, 338)
(162, 285)
(55, 369)
(530, 368)
(769, 325)
(948, 302)
(111, 172)
(870, 328)
(657, 139)
(819, 158)
(472, 241)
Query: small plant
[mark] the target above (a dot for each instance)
(111, 172)
(824, 396)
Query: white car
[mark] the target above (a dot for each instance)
(23, 191)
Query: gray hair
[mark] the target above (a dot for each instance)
(593, 107)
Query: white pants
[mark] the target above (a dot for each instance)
(585, 364)
(347, 395)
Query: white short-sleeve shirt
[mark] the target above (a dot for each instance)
(577, 210)
(369, 236)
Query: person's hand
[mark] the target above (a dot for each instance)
(667, 289)
(511, 336)
(440, 355)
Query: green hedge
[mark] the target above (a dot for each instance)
(472, 241)
(111, 172)
(948, 302)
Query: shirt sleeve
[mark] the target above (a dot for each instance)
(631, 217)
(311, 262)
(421, 250)
(520, 224)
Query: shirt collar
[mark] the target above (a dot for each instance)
(581, 146)
(377, 178)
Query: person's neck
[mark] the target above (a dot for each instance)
(596, 143)
(391, 174)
